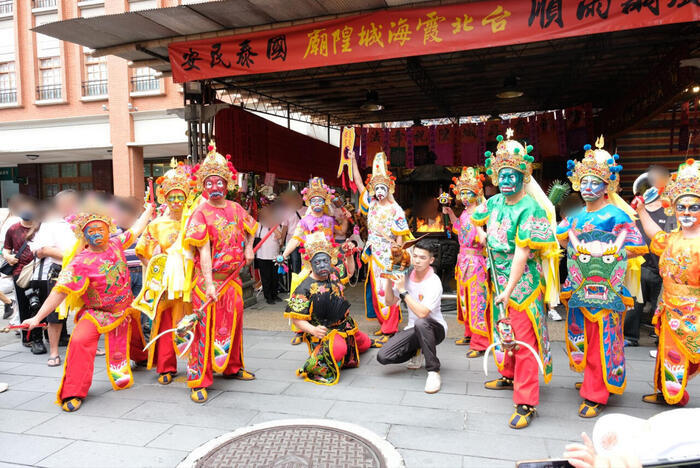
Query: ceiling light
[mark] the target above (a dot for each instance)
(696, 89)
(371, 103)
(510, 88)
(32, 157)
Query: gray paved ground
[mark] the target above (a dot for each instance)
(152, 425)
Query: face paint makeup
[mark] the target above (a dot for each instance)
(592, 188)
(381, 191)
(510, 181)
(97, 234)
(215, 187)
(467, 197)
(688, 211)
(316, 204)
(321, 265)
(176, 200)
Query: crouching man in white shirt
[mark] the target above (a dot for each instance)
(421, 291)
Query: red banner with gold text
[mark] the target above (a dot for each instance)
(417, 31)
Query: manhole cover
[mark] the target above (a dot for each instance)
(297, 444)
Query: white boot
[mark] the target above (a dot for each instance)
(554, 315)
(433, 382)
(416, 362)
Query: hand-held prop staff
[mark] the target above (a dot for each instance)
(23, 326)
(505, 337)
(184, 327)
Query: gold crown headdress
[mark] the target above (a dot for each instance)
(686, 182)
(469, 179)
(177, 178)
(381, 175)
(596, 162)
(316, 242)
(509, 153)
(215, 164)
(88, 212)
(317, 188)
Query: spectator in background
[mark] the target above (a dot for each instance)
(265, 256)
(651, 280)
(7, 285)
(53, 240)
(295, 211)
(16, 252)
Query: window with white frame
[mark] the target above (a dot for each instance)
(49, 79)
(144, 80)
(95, 83)
(8, 85)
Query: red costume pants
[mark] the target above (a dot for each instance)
(340, 346)
(166, 359)
(478, 342)
(80, 357)
(390, 325)
(522, 366)
(593, 387)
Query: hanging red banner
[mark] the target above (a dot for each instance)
(417, 31)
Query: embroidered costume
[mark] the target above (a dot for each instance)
(386, 223)
(218, 340)
(677, 318)
(470, 272)
(594, 292)
(99, 287)
(322, 302)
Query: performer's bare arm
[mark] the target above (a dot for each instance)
(50, 304)
(205, 265)
(249, 255)
(319, 331)
(448, 211)
(356, 175)
(141, 223)
(53, 252)
(516, 272)
(289, 248)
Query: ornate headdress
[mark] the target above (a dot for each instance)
(317, 188)
(469, 179)
(88, 212)
(596, 162)
(509, 153)
(381, 175)
(686, 182)
(215, 164)
(177, 178)
(317, 242)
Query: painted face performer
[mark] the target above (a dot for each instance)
(598, 262)
(319, 309)
(97, 283)
(520, 240)
(222, 233)
(160, 235)
(470, 272)
(386, 225)
(677, 320)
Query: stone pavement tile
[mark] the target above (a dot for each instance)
(51, 384)
(307, 407)
(92, 454)
(12, 465)
(473, 444)
(36, 369)
(395, 414)
(13, 398)
(6, 354)
(378, 428)
(405, 381)
(500, 403)
(479, 462)
(14, 347)
(284, 364)
(18, 421)
(7, 365)
(186, 437)
(94, 405)
(192, 414)
(279, 375)
(13, 380)
(542, 426)
(387, 396)
(299, 353)
(420, 459)
(175, 392)
(261, 352)
(555, 447)
(26, 449)
(26, 356)
(272, 387)
(95, 429)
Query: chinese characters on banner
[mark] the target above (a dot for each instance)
(417, 31)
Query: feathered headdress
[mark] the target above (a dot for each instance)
(596, 162)
(177, 178)
(317, 188)
(215, 164)
(381, 175)
(686, 182)
(469, 179)
(509, 153)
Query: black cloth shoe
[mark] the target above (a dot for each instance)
(38, 347)
(270, 301)
(8, 311)
(63, 341)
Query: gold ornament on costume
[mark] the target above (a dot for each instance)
(381, 175)
(509, 153)
(176, 178)
(317, 188)
(215, 164)
(685, 182)
(88, 212)
(469, 179)
(596, 162)
(316, 242)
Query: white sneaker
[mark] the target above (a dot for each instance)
(416, 362)
(433, 382)
(554, 315)
(653, 353)
(3, 387)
